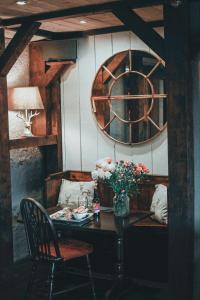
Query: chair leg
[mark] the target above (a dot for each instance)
(52, 273)
(91, 277)
(30, 282)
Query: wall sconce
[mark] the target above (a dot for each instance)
(27, 100)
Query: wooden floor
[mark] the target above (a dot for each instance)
(13, 282)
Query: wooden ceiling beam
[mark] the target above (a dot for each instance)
(140, 28)
(52, 35)
(110, 29)
(16, 46)
(40, 32)
(78, 11)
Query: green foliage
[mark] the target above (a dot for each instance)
(126, 176)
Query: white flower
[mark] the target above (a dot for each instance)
(101, 174)
(111, 167)
(95, 174)
(105, 166)
(107, 174)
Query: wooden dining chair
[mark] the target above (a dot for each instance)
(45, 248)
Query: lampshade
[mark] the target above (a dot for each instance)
(24, 98)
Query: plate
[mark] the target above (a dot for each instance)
(62, 220)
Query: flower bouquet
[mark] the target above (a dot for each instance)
(123, 177)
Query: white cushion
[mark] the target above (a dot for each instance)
(72, 193)
(159, 204)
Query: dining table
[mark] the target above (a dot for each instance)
(108, 223)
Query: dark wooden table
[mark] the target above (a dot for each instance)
(107, 223)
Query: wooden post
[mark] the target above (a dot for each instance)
(56, 120)
(46, 75)
(6, 241)
(195, 33)
(8, 57)
(181, 164)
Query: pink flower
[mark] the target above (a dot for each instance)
(139, 169)
(127, 163)
(109, 160)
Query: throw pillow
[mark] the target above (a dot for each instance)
(159, 204)
(73, 193)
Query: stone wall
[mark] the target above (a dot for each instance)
(26, 164)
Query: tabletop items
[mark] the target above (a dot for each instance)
(109, 224)
(65, 216)
(123, 177)
(96, 204)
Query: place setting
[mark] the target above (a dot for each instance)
(77, 216)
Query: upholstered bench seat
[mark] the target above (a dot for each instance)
(147, 242)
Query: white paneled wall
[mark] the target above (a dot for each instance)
(83, 142)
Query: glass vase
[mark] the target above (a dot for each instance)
(121, 206)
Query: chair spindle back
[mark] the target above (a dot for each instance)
(40, 231)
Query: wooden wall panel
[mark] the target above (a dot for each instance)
(103, 49)
(137, 43)
(159, 150)
(70, 120)
(88, 129)
(83, 141)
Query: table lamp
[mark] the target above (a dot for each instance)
(27, 100)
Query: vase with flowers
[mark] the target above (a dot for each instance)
(123, 177)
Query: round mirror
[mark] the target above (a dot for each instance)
(128, 97)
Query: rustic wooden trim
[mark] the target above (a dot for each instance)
(6, 241)
(63, 62)
(52, 73)
(46, 76)
(56, 120)
(43, 74)
(180, 149)
(77, 11)
(140, 28)
(35, 141)
(16, 46)
(37, 73)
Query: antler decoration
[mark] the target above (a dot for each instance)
(31, 115)
(21, 116)
(27, 120)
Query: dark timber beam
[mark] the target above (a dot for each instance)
(78, 11)
(180, 151)
(16, 46)
(6, 241)
(195, 31)
(40, 32)
(140, 28)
